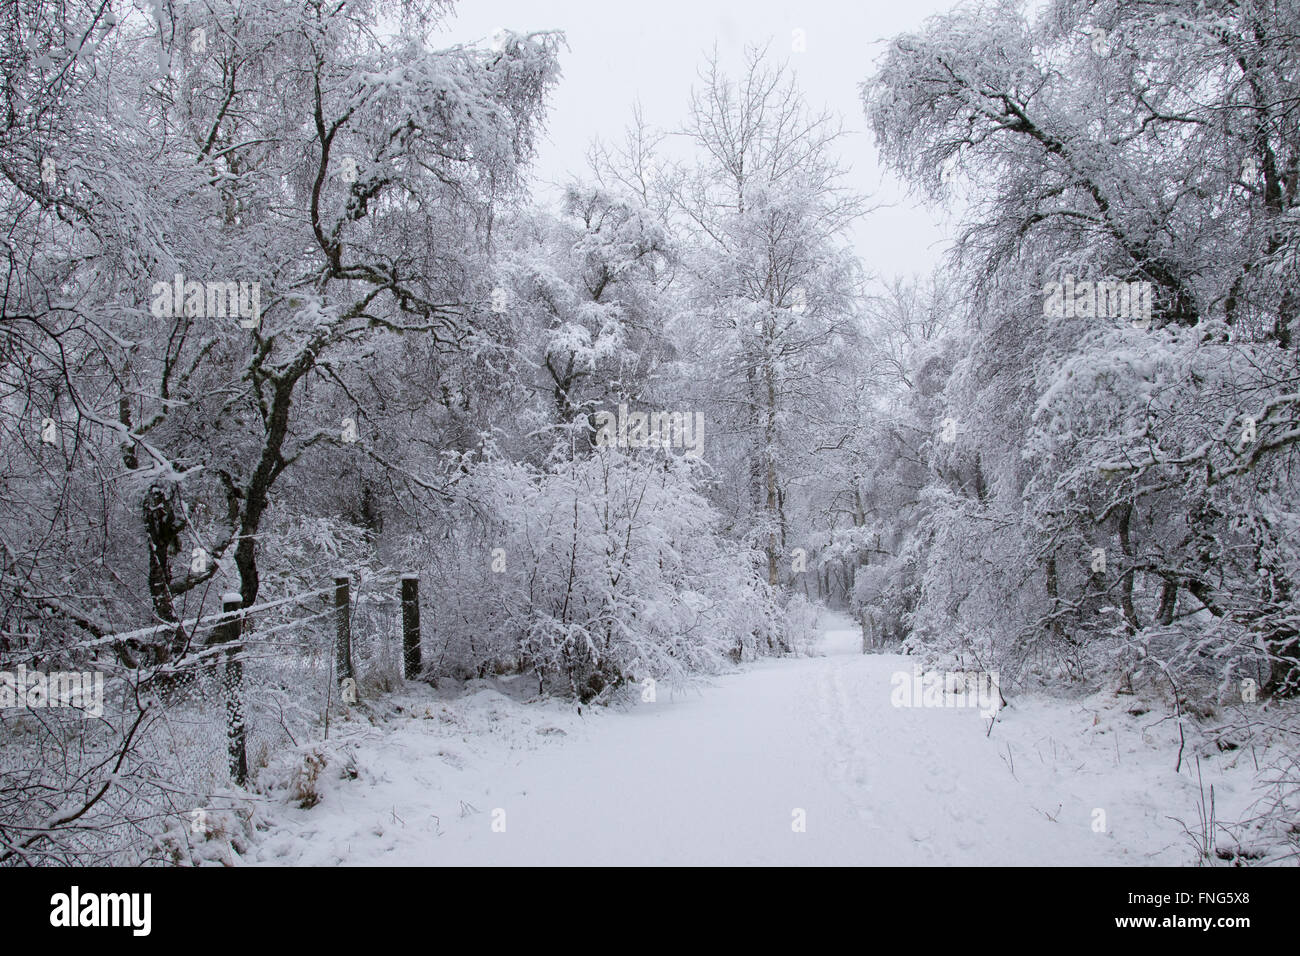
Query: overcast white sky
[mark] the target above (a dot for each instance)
(620, 53)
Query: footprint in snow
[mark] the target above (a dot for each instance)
(455, 760)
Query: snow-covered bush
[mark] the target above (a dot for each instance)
(593, 572)
(799, 625)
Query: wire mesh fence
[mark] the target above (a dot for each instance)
(110, 773)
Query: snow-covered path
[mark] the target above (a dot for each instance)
(717, 777)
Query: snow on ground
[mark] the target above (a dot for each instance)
(717, 776)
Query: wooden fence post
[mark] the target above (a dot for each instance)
(343, 635)
(229, 632)
(411, 625)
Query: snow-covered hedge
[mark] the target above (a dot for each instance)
(592, 572)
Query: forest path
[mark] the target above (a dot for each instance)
(716, 777)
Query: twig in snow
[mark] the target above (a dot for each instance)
(1048, 815)
(1012, 764)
